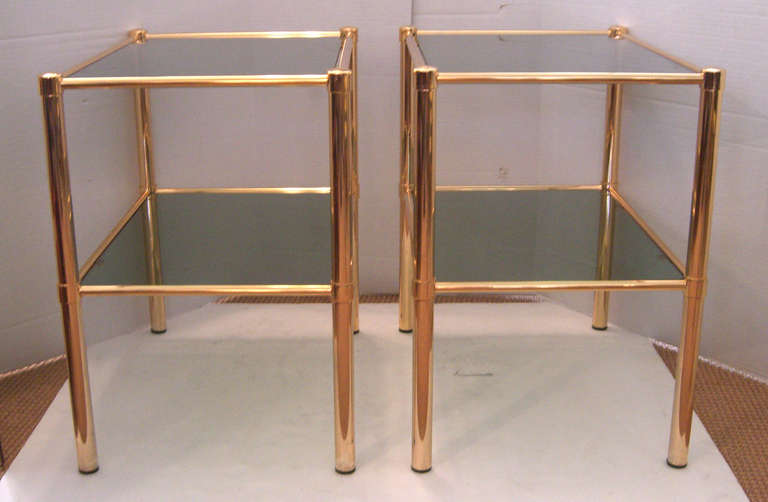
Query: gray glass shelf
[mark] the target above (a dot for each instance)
(541, 53)
(225, 239)
(218, 56)
(535, 235)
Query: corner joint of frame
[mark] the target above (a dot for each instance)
(405, 31)
(342, 292)
(426, 78)
(617, 31)
(714, 79)
(139, 35)
(424, 290)
(695, 287)
(339, 80)
(50, 84)
(348, 31)
(69, 293)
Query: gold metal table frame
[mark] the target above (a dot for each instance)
(418, 287)
(341, 82)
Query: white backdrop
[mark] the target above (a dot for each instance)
(526, 134)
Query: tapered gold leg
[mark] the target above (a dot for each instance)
(424, 289)
(66, 259)
(340, 91)
(610, 170)
(151, 234)
(355, 191)
(406, 188)
(696, 265)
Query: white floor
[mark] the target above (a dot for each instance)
(234, 403)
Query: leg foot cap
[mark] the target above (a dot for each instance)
(158, 332)
(346, 472)
(600, 328)
(405, 330)
(421, 471)
(676, 466)
(89, 472)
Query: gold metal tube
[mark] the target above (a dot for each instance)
(209, 289)
(613, 101)
(91, 261)
(405, 186)
(514, 32)
(696, 265)
(424, 246)
(648, 230)
(342, 289)
(246, 190)
(247, 34)
(350, 33)
(568, 77)
(66, 260)
(194, 81)
(151, 225)
(661, 53)
(519, 286)
(512, 188)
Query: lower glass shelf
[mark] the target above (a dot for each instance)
(538, 235)
(235, 239)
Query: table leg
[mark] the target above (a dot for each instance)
(696, 265)
(424, 289)
(340, 97)
(69, 282)
(151, 233)
(609, 182)
(406, 187)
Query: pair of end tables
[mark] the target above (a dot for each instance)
(180, 241)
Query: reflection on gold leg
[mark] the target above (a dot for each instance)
(696, 265)
(614, 93)
(147, 184)
(406, 187)
(66, 260)
(342, 288)
(424, 290)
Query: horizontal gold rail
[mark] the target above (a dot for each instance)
(277, 190)
(514, 32)
(206, 289)
(662, 53)
(507, 287)
(99, 56)
(195, 81)
(247, 34)
(648, 230)
(568, 77)
(512, 188)
(112, 234)
(417, 57)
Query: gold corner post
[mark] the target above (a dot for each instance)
(424, 283)
(614, 94)
(406, 185)
(69, 283)
(696, 264)
(351, 32)
(148, 186)
(340, 86)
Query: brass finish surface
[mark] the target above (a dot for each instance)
(247, 34)
(425, 88)
(614, 93)
(69, 279)
(111, 235)
(517, 286)
(194, 81)
(696, 264)
(512, 188)
(568, 78)
(648, 230)
(132, 39)
(245, 190)
(340, 86)
(406, 307)
(662, 53)
(514, 32)
(151, 231)
(209, 289)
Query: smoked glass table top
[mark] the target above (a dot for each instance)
(541, 54)
(537, 235)
(218, 56)
(225, 239)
